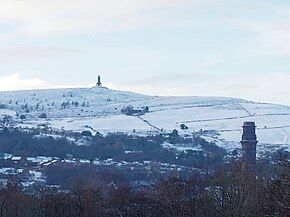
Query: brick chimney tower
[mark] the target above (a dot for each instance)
(249, 146)
(99, 84)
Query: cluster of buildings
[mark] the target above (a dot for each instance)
(26, 171)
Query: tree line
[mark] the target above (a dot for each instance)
(30, 143)
(224, 193)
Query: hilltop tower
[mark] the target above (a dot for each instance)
(99, 84)
(249, 146)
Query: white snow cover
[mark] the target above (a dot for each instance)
(98, 109)
(181, 147)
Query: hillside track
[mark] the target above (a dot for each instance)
(287, 136)
(151, 125)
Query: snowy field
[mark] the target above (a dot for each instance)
(99, 110)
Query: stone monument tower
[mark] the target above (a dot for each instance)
(99, 84)
(249, 146)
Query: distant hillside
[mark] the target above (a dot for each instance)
(99, 109)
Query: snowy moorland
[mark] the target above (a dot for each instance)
(98, 109)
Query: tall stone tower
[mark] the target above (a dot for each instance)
(99, 84)
(249, 146)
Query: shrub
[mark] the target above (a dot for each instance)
(22, 117)
(43, 115)
(87, 133)
(183, 127)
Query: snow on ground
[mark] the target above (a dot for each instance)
(170, 119)
(263, 108)
(4, 112)
(79, 101)
(115, 123)
(99, 110)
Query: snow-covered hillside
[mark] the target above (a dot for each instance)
(99, 109)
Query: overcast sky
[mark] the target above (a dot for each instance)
(235, 48)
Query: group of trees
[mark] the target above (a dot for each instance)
(42, 115)
(130, 110)
(225, 193)
(149, 148)
(67, 104)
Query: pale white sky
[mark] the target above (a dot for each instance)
(237, 48)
